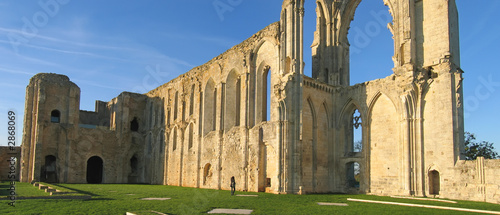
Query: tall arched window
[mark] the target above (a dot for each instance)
(357, 132)
(176, 105)
(209, 106)
(191, 101)
(233, 99)
(190, 138)
(266, 102)
(55, 116)
(174, 140)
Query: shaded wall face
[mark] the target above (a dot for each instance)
(10, 168)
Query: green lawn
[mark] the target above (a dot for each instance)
(113, 199)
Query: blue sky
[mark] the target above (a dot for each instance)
(111, 46)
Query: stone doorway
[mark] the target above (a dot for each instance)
(434, 184)
(94, 170)
(50, 174)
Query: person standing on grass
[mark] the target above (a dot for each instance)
(233, 186)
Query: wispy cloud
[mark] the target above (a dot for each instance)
(18, 72)
(220, 41)
(95, 84)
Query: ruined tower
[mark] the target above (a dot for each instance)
(52, 105)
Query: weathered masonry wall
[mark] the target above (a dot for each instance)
(216, 122)
(477, 180)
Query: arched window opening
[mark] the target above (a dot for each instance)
(190, 138)
(183, 111)
(176, 105)
(353, 175)
(209, 106)
(266, 92)
(238, 102)
(233, 99)
(94, 170)
(191, 101)
(371, 43)
(174, 140)
(357, 132)
(214, 111)
(168, 117)
(134, 125)
(434, 182)
(55, 116)
(206, 173)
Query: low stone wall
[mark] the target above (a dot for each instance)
(477, 180)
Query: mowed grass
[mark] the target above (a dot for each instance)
(118, 199)
(22, 189)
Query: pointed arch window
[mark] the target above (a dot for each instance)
(357, 132)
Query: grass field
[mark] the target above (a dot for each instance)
(118, 199)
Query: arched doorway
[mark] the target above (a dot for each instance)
(50, 173)
(434, 184)
(94, 170)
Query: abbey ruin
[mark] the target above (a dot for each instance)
(218, 120)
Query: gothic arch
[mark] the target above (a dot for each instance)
(384, 144)
(350, 106)
(309, 146)
(347, 15)
(209, 106)
(265, 69)
(327, 112)
(233, 100)
(261, 43)
(175, 138)
(190, 135)
(375, 98)
(351, 125)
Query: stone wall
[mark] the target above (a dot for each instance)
(476, 180)
(214, 115)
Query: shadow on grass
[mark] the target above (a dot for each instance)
(4, 190)
(100, 199)
(79, 191)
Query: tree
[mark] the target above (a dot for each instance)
(474, 149)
